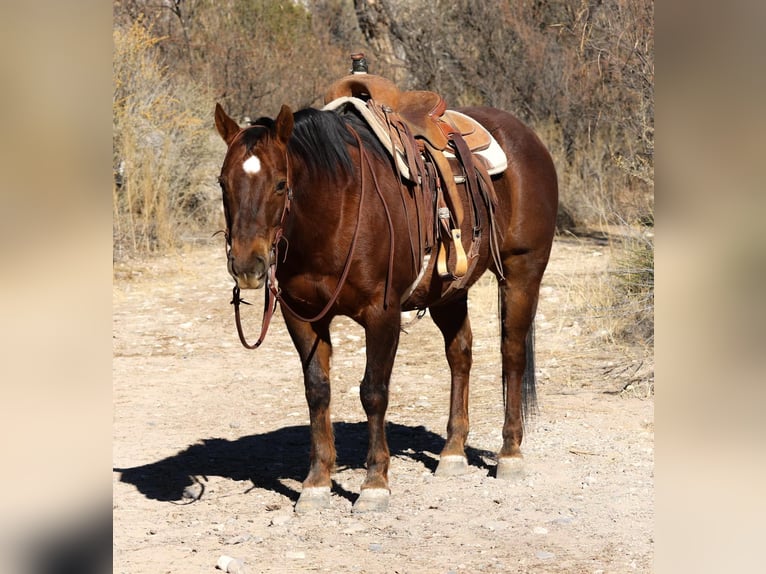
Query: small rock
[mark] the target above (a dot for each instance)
(281, 519)
(354, 527)
(376, 547)
(239, 539)
(563, 520)
(295, 555)
(230, 565)
(495, 525)
(544, 555)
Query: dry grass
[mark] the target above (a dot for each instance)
(617, 303)
(164, 154)
(604, 287)
(584, 316)
(596, 187)
(602, 191)
(632, 281)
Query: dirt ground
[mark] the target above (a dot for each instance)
(211, 440)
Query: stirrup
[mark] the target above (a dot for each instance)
(461, 261)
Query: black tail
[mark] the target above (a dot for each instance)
(528, 380)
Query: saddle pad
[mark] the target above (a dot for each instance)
(493, 155)
(496, 160)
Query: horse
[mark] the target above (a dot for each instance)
(312, 204)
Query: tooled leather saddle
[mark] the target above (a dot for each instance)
(430, 146)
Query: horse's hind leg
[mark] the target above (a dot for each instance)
(452, 320)
(382, 339)
(518, 294)
(313, 344)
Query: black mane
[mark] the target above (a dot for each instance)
(321, 138)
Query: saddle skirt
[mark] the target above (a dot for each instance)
(480, 142)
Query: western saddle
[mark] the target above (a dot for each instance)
(435, 149)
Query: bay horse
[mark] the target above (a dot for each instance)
(311, 201)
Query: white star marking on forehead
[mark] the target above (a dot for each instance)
(252, 165)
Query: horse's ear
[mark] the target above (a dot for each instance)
(226, 126)
(285, 124)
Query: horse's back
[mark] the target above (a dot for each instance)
(527, 190)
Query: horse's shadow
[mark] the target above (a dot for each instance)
(268, 459)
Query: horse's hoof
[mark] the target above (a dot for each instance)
(452, 465)
(372, 500)
(510, 467)
(313, 498)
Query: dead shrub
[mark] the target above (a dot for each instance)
(632, 280)
(163, 151)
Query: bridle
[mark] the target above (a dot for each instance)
(273, 293)
(272, 286)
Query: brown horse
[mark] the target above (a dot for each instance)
(311, 201)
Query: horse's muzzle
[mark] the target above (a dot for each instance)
(251, 276)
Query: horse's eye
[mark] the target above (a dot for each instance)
(220, 181)
(281, 186)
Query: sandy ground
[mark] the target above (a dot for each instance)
(211, 440)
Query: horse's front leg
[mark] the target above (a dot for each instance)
(312, 340)
(452, 320)
(382, 339)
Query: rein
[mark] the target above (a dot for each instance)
(273, 293)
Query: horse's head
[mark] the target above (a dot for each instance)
(254, 180)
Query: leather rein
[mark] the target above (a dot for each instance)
(273, 293)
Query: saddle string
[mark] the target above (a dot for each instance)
(404, 135)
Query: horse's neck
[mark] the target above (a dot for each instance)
(316, 205)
